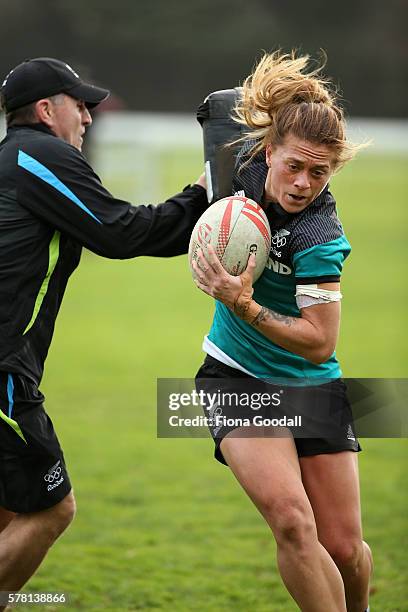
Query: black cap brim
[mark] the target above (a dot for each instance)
(90, 94)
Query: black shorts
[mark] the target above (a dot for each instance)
(319, 417)
(33, 475)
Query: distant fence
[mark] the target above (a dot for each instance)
(129, 144)
(129, 150)
(158, 130)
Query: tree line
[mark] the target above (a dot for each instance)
(167, 56)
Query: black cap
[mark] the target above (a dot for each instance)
(43, 77)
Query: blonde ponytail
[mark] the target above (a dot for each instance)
(281, 96)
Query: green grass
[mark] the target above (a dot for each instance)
(160, 525)
(371, 193)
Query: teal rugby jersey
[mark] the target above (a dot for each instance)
(307, 247)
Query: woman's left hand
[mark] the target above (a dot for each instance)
(217, 282)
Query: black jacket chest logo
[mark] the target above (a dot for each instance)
(278, 242)
(278, 261)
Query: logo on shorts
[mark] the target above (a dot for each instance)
(53, 476)
(350, 434)
(215, 415)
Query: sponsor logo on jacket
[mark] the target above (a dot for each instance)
(278, 267)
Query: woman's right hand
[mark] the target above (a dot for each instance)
(215, 281)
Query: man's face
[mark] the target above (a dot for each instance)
(69, 119)
(298, 171)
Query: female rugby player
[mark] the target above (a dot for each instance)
(286, 327)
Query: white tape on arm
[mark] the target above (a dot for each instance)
(310, 295)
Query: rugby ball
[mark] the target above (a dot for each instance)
(235, 227)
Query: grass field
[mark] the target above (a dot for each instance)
(161, 526)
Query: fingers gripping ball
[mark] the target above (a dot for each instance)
(236, 227)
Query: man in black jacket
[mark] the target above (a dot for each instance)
(51, 205)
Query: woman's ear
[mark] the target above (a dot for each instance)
(268, 155)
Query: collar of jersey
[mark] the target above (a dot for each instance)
(38, 127)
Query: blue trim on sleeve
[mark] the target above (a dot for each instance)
(10, 394)
(322, 259)
(35, 167)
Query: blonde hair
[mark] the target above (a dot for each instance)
(282, 97)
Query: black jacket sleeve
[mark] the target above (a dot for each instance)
(56, 184)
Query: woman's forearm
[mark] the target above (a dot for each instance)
(294, 334)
